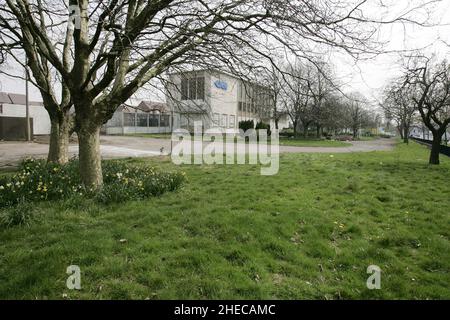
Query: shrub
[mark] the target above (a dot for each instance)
(246, 125)
(344, 138)
(38, 180)
(123, 182)
(287, 132)
(261, 126)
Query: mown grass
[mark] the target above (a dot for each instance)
(309, 232)
(296, 142)
(301, 142)
(151, 135)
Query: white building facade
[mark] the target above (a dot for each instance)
(217, 99)
(13, 105)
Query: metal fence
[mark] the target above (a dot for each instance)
(444, 149)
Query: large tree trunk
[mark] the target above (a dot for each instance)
(318, 127)
(90, 157)
(400, 130)
(305, 130)
(406, 134)
(61, 129)
(295, 124)
(355, 133)
(435, 148)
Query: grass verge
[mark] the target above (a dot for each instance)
(309, 232)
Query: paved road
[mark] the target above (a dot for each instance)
(123, 146)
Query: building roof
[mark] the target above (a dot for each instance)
(149, 106)
(145, 106)
(4, 98)
(19, 99)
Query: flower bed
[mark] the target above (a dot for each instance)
(38, 180)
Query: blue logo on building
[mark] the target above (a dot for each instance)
(221, 85)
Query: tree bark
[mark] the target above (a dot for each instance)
(305, 131)
(435, 148)
(60, 132)
(90, 157)
(400, 130)
(406, 134)
(295, 124)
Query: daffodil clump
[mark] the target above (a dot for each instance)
(123, 182)
(38, 180)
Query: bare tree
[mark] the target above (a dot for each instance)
(357, 115)
(334, 117)
(429, 82)
(399, 106)
(320, 88)
(273, 79)
(16, 40)
(297, 98)
(108, 50)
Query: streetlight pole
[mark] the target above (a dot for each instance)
(27, 104)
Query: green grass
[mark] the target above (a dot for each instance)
(309, 232)
(367, 138)
(296, 142)
(151, 135)
(300, 142)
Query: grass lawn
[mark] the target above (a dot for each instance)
(309, 232)
(366, 138)
(151, 135)
(299, 142)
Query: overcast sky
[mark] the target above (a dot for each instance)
(367, 77)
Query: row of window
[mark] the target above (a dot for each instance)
(224, 120)
(254, 94)
(251, 108)
(247, 107)
(193, 88)
(141, 120)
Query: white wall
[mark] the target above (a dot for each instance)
(225, 102)
(41, 119)
(218, 100)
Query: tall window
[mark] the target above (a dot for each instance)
(193, 88)
(129, 119)
(184, 88)
(216, 119)
(223, 121)
(165, 120)
(141, 120)
(153, 120)
(232, 121)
